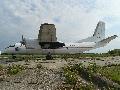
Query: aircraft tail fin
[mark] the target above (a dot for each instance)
(98, 35)
(100, 31)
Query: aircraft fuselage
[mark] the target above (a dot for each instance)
(69, 48)
(48, 44)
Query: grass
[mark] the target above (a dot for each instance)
(112, 73)
(14, 69)
(96, 56)
(71, 74)
(70, 77)
(1, 67)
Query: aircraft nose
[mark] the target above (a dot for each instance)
(115, 36)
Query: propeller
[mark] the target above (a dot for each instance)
(22, 38)
(23, 42)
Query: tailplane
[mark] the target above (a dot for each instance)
(98, 35)
(104, 42)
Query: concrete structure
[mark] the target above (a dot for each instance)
(47, 33)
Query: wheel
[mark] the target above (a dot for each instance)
(49, 56)
(13, 56)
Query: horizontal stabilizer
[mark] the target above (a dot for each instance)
(105, 41)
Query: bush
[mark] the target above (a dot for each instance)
(12, 70)
(93, 68)
(70, 77)
(1, 67)
(39, 66)
(65, 57)
(86, 87)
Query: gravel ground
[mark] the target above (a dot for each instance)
(33, 79)
(49, 77)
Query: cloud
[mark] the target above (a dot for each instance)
(74, 19)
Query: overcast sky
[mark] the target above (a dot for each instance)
(74, 19)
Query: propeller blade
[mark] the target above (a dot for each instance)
(23, 41)
(21, 44)
(22, 38)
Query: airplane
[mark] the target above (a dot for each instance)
(33, 46)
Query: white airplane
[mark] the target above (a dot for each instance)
(32, 46)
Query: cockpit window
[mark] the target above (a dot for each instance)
(12, 46)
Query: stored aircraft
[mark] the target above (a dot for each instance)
(32, 46)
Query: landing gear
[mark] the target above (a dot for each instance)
(49, 56)
(13, 56)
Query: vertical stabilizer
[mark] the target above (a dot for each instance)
(98, 35)
(100, 31)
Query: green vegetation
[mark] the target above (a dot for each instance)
(71, 74)
(112, 72)
(22, 57)
(91, 73)
(39, 66)
(86, 87)
(97, 56)
(115, 52)
(14, 69)
(1, 67)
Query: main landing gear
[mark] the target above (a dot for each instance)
(13, 56)
(49, 56)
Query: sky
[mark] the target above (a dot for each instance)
(73, 19)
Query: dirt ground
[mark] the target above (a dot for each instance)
(49, 77)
